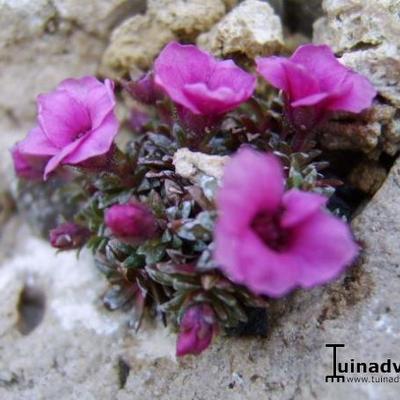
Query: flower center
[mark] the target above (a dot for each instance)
(268, 229)
(82, 132)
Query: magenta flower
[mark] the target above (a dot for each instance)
(273, 241)
(76, 122)
(196, 330)
(313, 77)
(197, 81)
(131, 222)
(69, 236)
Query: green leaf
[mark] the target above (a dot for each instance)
(173, 304)
(156, 204)
(181, 285)
(209, 185)
(134, 261)
(153, 250)
(160, 277)
(166, 236)
(185, 209)
(198, 229)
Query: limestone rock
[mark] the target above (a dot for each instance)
(135, 43)
(368, 176)
(133, 46)
(366, 33)
(187, 19)
(97, 16)
(78, 348)
(194, 165)
(251, 29)
(369, 132)
(22, 19)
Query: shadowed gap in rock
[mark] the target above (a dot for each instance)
(31, 308)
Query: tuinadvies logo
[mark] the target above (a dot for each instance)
(342, 371)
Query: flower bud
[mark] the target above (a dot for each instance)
(69, 236)
(131, 222)
(143, 89)
(197, 329)
(138, 120)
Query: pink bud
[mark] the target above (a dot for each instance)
(143, 89)
(132, 221)
(197, 328)
(69, 236)
(138, 120)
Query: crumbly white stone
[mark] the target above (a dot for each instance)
(194, 165)
(251, 29)
(135, 43)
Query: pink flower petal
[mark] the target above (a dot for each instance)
(272, 69)
(95, 143)
(322, 63)
(261, 269)
(311, 100)
(250, 178)
(58, 159)
(207, 101)
(178, 65)
(27, 167)
(299, 205)
(62, 118)
(91, 93)
(288, 76)
(358, 97)
(324, 247)
(228, 74)
(37, 144)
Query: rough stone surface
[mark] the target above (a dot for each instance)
(97, 16)
(75, 350)
(133, 46)
(135, 43)
(78, 348)
(368, 176)
(251, 29)
(366, 33)
(194, 165)
(370, 132)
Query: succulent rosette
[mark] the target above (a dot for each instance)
(204, 246)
